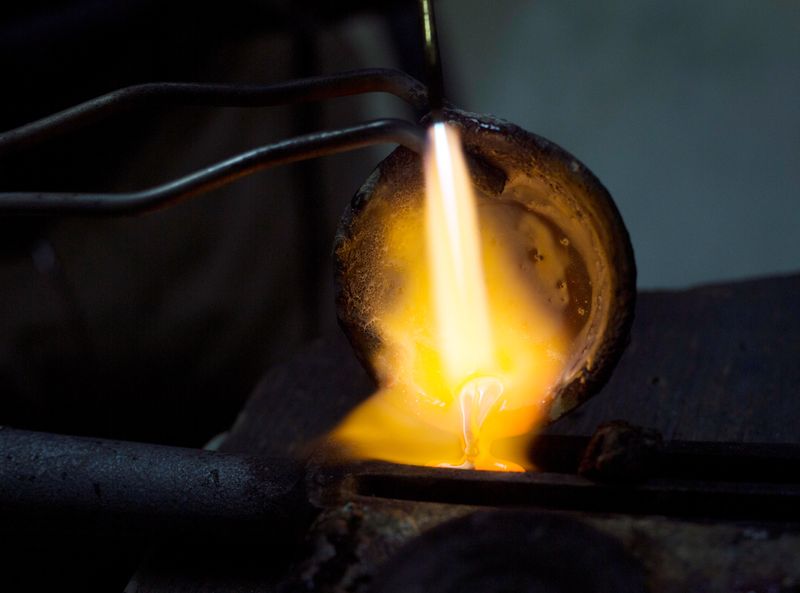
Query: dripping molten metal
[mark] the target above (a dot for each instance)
(470, 352)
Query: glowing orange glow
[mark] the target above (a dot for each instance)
(470, 348)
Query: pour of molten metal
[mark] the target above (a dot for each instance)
(455, 267)
(470, 322)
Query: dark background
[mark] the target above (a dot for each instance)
(156, 328)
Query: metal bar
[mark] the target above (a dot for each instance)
(685, 460)
(204, 180)
(316, 88)
(433, 62)
(51, 482)
(55, 483)
(672, 497)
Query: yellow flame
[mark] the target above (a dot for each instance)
(470, 350)
(464, 337)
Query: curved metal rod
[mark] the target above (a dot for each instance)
(287, 151)
(316, 88)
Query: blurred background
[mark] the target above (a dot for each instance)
(157, 328)
(687, 111)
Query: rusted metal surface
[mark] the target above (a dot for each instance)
(349, 543)
(349, 547)
(621, 452)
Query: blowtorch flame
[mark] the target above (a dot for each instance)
(455, 267)
(472, 345)
(454, 259)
